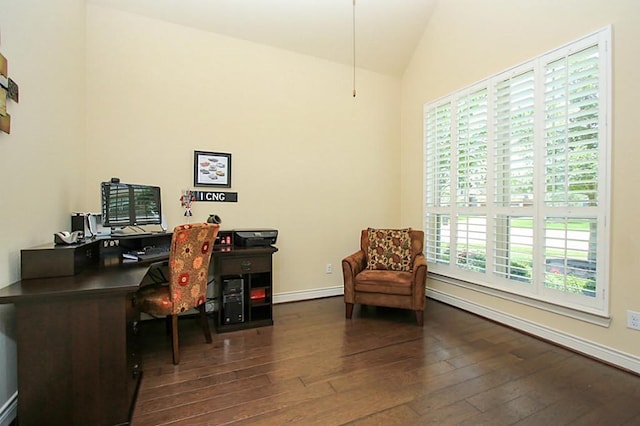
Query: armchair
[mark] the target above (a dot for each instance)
(389, 270)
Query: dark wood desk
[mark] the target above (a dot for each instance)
(77, 362)
(77, 358)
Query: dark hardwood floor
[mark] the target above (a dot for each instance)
(313, 367)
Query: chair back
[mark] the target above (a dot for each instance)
(191, 247)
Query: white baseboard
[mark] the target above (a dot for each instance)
(9, 411)
(296, 296)
(595, 350)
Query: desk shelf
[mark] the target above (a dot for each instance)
(249, 272)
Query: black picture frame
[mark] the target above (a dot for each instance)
(212, 169)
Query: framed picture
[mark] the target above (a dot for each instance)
(211, 169)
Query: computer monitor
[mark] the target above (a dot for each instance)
(126, 204)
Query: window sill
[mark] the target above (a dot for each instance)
(588, 317)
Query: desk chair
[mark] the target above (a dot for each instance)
(191, 247)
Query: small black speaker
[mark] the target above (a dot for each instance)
(78, 223)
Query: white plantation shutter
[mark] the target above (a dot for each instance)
(471, 128)
(514, 175)
(570, 264)
(514, 127)
(571, 128)
(438, 183)
(471, 242)
(438, 237)
(513, 247)
(438, 156)
(516, 178)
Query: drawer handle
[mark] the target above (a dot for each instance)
(246, 265)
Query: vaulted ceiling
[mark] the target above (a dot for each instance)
(386, 31)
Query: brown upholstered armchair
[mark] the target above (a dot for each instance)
(389, 270)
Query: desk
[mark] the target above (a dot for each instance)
(77, 363)
(77, 359)
(249, 303)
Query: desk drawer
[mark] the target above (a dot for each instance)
(245, 265)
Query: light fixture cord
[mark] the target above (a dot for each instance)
(354, 48)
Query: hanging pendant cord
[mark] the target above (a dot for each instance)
(354, 48)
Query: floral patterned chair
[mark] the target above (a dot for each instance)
(191, 247)
(389, 270)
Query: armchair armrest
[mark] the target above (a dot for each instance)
(419, 280)
(352, 265)
(356, 262)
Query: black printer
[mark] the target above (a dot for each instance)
(254, 237)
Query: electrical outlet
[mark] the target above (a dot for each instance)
(633, 320)
(330, 269)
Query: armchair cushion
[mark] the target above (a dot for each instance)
(385, 282)
(389, 249)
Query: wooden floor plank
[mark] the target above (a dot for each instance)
(397, 416)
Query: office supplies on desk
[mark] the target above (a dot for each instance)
(89, 223)
(66, 237)
(130, 256)
(214, 218)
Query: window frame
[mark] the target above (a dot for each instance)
(434, 210)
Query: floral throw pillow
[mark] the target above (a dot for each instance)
(389, 249)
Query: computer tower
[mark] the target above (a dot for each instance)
(233, 301)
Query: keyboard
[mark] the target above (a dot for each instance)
(151, 254)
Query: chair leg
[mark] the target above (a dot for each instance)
(167, 324)
(349, 310)
(174, 339)
(205, 323)
(420, 318)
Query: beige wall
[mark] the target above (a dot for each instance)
(307, 158)
(468, 40)
(41, 161)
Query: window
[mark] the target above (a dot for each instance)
(516, 178)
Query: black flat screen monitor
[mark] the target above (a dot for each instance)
(126, 204)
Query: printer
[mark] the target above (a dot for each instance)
(254, 237)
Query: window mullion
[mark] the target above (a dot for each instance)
(453, 230)
(539, 179)
(490, 205)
